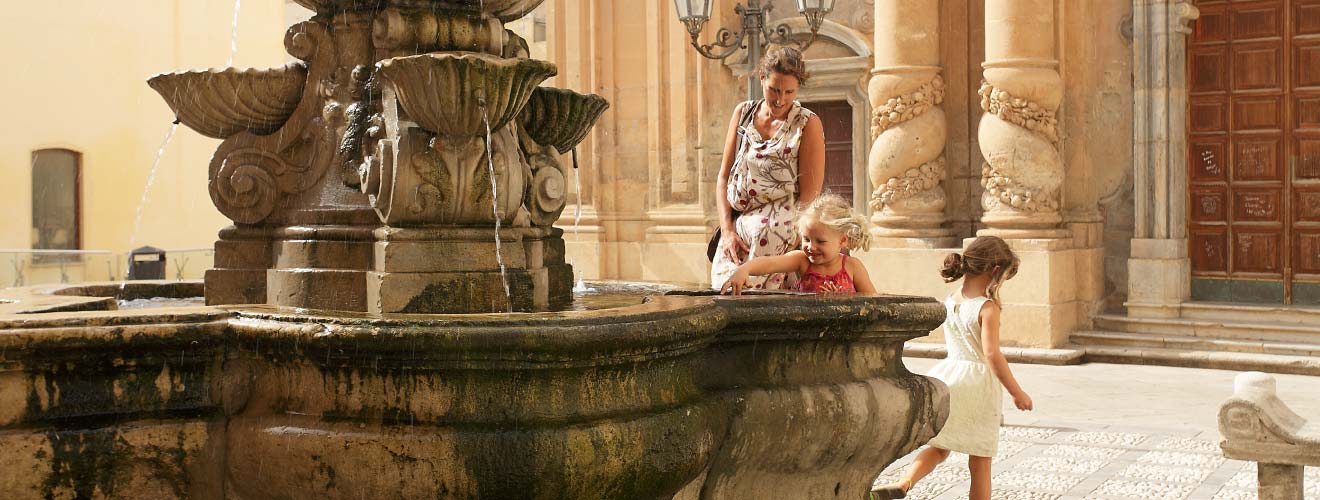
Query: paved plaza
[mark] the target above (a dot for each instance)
(1116, 432)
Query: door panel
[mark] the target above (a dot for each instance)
(836, 117)
(1243, 139)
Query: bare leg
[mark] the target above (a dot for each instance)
(924, 463)
(980, 468)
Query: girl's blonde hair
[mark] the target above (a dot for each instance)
(835, 213)
(986, 254)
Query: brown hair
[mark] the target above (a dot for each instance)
(834, 212)
(785, 61)
(986, 254)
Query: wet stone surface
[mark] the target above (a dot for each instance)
(1059, 463)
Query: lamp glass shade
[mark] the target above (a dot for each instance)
(693, 10)
(814, 6)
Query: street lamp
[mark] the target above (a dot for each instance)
(753, 36)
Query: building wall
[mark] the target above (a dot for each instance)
(671, 109)
(76, 78)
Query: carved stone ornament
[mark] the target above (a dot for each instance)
(561, 118)
(912, 182)
(1258, 426)
(1021, 112)
(504, 10)
(219, 103)
(903, 108)
(461, 94)
(1004, 190)
(1019, 139)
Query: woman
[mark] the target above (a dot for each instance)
(774, 159)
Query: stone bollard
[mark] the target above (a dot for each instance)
(1259, 427)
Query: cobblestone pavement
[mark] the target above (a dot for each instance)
(1068, 450)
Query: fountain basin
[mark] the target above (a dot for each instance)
(505, 10)
(460, 93)
(679, 396)
(219, 103)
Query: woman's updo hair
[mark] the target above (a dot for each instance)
(785, 61)
(986, 254)
(832, 211)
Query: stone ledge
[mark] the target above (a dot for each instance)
(1035, 356)
(1273, 363)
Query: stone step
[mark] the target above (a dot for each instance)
(1141, 340)
(1299, 333)
(1251, 313)
(1058, 357)
(1218, 360)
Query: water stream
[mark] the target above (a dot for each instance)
(495, 208)
(581, 285)
(233, 35)
(146, 192)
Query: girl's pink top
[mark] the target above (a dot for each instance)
(812, 281)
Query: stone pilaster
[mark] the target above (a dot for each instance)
(1019, 134)
(908, 126)
(1159, 266)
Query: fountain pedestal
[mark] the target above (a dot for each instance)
(455, 269)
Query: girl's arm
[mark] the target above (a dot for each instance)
(811, 161)
(995, 359)
(861, 279)
(791, 262)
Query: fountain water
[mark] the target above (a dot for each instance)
(151, 179)
(495, 205)
(233, 35)
(356, 179)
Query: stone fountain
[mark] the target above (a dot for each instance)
(386, 190)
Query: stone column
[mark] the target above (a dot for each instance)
(1159, 269)
(1019, 132)
(908, 127)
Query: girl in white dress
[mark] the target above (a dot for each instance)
(973, 370)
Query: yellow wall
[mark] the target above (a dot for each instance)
(75, 78)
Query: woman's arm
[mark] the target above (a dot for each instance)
(995, 359)
(731, 245)
(861, 278)
(795, 261)
(811, 161)
(722, 183)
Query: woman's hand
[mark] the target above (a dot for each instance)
(736, 282)
(734, 247)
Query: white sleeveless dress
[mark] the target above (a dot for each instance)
(976, 406)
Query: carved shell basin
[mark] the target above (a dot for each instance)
(561, 117)
(219, 103)
(443, 91)
(505, 10)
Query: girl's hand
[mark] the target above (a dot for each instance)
(1022, 401)
(829, 288)
(736, 282)
(734, 247)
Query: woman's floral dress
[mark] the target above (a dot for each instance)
(763, 186)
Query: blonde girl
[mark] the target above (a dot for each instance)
(973, 370)
(827, 226)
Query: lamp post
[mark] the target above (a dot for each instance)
(753, 35)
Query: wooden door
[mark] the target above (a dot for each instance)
(836, 117)
(1254, 151)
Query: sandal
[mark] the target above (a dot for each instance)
(891, 491)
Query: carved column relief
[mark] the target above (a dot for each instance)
(1159, 270)
(908, 126)
(1019, 134)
